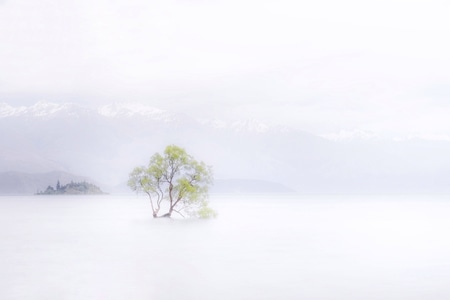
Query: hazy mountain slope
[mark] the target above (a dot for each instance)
(107, 143)
(17, 183)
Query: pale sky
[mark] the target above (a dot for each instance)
(321, 66)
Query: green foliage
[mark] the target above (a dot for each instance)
(177, 180)
(206, 212)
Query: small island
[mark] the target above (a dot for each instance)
(73, 188)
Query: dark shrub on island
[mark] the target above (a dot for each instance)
(73, 188)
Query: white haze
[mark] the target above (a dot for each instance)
(320, 66)
(260, 247)
(361, 91)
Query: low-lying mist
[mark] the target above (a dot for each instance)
(259, 247)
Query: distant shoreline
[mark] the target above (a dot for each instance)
(72, 188)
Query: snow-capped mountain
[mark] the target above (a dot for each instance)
(106, 143)
(41, 109)
(351, 135)
(7, 110)
(242, 126)
(123, 110)
(249, 126)
(38, 137)
(46, 110)
(130, 110)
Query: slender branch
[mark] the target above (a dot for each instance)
(179, 213)
(162, 193)
(182, 208)
(151, 201)
(178, 200)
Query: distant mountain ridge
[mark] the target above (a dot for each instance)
(41, 109)
(48, 110)
(106, 143)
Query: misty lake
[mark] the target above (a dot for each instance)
(259, 247)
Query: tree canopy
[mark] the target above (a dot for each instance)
(174, 181)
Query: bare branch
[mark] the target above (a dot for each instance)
(161, 198)
(179, 213)
(178, 200)
(151, 201)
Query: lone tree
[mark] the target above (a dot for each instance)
(176, 181)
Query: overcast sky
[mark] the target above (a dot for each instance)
(321, 66)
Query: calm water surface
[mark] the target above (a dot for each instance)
(260, 247)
